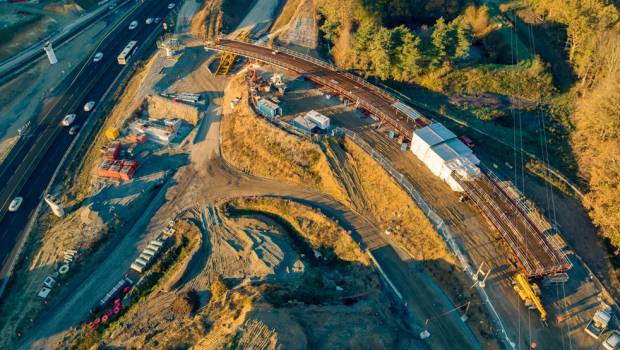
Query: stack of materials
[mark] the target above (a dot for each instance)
(147, 256)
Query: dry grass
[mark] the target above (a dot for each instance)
(286, 15)
(207, 22)
(255, 146)
(318, 229)
(6, 146)
(394, 209)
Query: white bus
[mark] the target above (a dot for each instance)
(127, 52)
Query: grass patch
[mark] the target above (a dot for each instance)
(254, 145)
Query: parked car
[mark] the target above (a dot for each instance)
(133, 25)
(171, 5)
(16, 203)
(98, 57)
(68, 119)
(157, 19)
(74, 129)
(89, 106)
(149, 20)
(613, 341)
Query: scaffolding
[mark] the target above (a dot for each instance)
(536, 254)
(227, 59)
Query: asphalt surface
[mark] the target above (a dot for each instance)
(29, 168)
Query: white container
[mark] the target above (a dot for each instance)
(318, 119)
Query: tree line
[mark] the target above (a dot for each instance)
(363, 43)
(593, 49)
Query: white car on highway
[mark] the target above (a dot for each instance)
(133, 25)
(74, 130)
(149, 20)
(98, 57)
(89, 106)
(171, 5)
(613, 341)
(68, 119)
(15, 203)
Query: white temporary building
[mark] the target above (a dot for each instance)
(318, 119)
(444, 154)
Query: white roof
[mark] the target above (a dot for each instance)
(317, 116)
(434, 134)
(459, 147)
(445, 152)
(410, 112)
(304, 122)
(269, 104)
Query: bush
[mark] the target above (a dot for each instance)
(186, 303)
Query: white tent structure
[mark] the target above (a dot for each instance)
(444, 154)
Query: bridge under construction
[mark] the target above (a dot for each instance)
(536, 250)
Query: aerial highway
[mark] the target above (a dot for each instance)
(29, 168)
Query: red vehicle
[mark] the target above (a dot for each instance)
(467, 141)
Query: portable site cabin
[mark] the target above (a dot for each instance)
(268, 108)
(321, 121)
(444, 154)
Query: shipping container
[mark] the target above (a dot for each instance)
(153, 246)
(137, 267)
(157, 243)
(150, 252)
(268, 108)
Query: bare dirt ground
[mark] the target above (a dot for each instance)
(261, 314)
(301, 31)
(259, 18)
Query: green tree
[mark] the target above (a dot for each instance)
(408, 56)
(380, 52)
(463, 40)
(440, 42)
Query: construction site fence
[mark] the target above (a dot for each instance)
(442, 228)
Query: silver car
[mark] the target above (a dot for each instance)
(89, 106)
(16, 203)
(613, 341)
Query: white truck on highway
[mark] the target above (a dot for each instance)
(599, 322)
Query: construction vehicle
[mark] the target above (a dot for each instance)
(530, 294)
(599, 322)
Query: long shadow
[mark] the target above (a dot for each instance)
(192, 58)
(200, 258)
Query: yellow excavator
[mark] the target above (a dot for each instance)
(529, 293)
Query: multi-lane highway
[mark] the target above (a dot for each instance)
(28, 170)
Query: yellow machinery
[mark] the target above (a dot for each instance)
(227, 59)
(529, 293)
